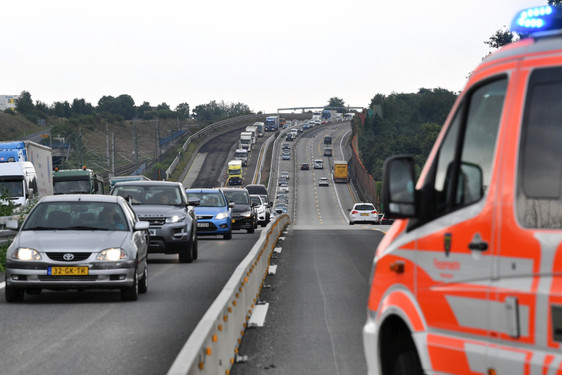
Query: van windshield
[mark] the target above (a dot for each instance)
(12, 186)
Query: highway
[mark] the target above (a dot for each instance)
(319, 292)
(317, 297)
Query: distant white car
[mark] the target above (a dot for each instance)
(284, 188)
(323, 181)
(363, 213)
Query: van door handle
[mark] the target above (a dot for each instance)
(478, 246)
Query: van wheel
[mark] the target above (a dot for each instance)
(407, 363)
(131, 293)
(13, 295)
(251, 230)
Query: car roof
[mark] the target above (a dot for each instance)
(203, 190)
(234, 189)
(147, 183)
(82, 197)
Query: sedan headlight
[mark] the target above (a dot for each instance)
(175, 219)
(112, 254)
(246, 214)
(24, 253)
(221, 215)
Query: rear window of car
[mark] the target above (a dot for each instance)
(364, 207)
(237, 197)
(539, 183)
(208, 199)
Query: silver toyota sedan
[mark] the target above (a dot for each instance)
(78, 242)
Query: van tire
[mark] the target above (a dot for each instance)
(407, 363)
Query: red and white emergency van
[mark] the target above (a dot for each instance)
(469, 279)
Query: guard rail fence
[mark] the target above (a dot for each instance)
(212, 348)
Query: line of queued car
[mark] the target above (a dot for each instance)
(83, 242)
(80, 242)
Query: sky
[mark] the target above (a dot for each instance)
(265, 54)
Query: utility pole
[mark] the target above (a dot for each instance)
(107, 143)
(80, 145)
(136, 147)
(158, 151)
(113, 153)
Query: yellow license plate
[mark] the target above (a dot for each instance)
(68, 271)
(364, 214)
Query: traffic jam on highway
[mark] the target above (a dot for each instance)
(467, 278)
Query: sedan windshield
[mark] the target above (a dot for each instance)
(149, 194)
(76, 215)
(212, 199)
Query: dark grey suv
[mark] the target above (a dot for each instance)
(164, 204)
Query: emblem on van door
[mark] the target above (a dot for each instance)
(448, 239)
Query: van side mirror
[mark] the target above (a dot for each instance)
(470, 187)
(398, 193)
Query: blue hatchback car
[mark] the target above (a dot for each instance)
(213, 212)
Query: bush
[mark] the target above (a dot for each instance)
(3, 248)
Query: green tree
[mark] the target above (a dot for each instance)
(500, 38)
(62, 109)
(183, 111)
(24, 104)
(336, 102)
(145, 107)
(213, 111)
(123, 105)
(81, 107)
(409, 125)
(163, 106)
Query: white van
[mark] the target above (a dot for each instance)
(19, 180)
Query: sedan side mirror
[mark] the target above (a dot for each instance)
(12, 225)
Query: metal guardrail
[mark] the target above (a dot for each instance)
(212, 348)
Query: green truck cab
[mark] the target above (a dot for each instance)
(77, 181)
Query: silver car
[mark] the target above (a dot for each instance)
(78, 242)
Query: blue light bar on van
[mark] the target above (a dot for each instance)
(543, 19)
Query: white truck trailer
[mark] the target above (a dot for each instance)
(26, 171)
